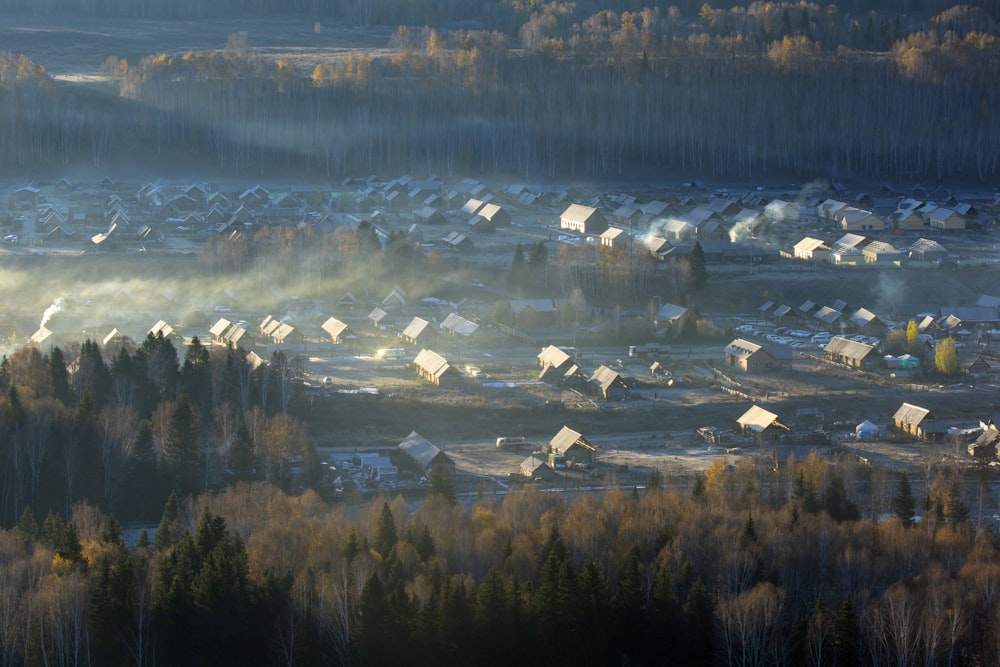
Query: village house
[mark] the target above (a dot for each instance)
(762, 425)
(811, 249)
(425, 457)
(830, 209)
(432, 367)
(851, 353)
(858, 220)
(536, 467)
(752, 357)
(906, 220)
(495, 214)
(782, 211)
(919, 422)
(610, 237)
(335, 329)
(569, 448)
(945, 219)
(670, 319)
(583, 220)
(608, 383)
(866, 322)
(530, 313)
(417, 331)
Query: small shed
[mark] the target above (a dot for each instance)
(536, 467)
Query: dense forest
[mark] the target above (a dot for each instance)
(553, 90)
(744, 567)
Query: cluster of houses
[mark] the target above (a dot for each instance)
(768, 430)
(560, 368)
(853, 248)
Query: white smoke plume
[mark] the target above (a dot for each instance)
(56, 306)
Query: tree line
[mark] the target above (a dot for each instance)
(743, 566)
(774, 88)
(123, 432)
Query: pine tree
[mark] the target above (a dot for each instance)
(181, 449)
(27, 527)
(59, 376)
(903, 504)
(628, 607)
(697, 267)
(385, 531)
(167, 533)
(846, 651)
(958, 511)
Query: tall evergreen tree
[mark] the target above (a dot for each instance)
(698, 267)
(846, 648)
(59, 376)
(182, 447)
(385, 532)
(903, 504)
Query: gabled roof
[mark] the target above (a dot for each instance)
(809, 244)
(606, 377)
(553, 356)
(421, 450)
(611, 233)
(377, 315)
(927, 245)
(472, 206)
(847, 348)
(220, 327)
(416, 327)
(578, 213)
(334, 327)
(827, 315)
(432, 363)
(850, 240)
(862, 317)
(742, 348)
(911, 414)
(782, 310)
(567, 438)
(459, 325)
(669, 312)
(759, 420)
(161, 327)
(518, 306)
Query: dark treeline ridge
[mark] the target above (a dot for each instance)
(425, 12)
(123, 432)
(775, 89)
(741, 566)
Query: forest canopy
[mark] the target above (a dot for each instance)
(742, 92)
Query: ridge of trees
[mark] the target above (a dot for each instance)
(710, 95)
